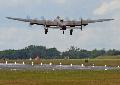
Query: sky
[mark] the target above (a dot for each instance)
(18, 35)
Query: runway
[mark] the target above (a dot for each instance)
(13, 66)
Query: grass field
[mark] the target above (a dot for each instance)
(108, 57)
(60, 77)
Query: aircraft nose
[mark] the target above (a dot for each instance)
(64, 27)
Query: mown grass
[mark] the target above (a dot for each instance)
(84, 77)
(108, 57)
(98, 62)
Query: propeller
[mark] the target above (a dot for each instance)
(81, 24)
(28, 18)
(58, 17)
(42, 17)
(44, 23)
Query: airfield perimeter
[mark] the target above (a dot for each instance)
(75, 64)
(54, 67)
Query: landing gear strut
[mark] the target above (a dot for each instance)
(46, 31)
(63, 32)
(71, 31)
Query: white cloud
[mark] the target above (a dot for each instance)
(107, 7)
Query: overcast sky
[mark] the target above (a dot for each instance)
(17, 35)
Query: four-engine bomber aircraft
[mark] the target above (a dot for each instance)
(59, 23)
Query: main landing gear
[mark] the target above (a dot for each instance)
(71, 31)
(46, 31)
(63, 32)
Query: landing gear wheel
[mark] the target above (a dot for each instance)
(71, 31)
(63, 32)
(46, 31)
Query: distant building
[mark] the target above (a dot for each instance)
(30, 59)
(37, 58)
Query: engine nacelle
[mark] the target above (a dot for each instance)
(72, 26)
(85, 24)
(47, 26)
(31, 23)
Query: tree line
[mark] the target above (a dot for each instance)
(33, 51)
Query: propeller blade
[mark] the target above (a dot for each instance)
(42, 17)
(81, 24)
(28, 17)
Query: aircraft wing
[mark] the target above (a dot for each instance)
(19, 19)
(84, 22)
(54, 23)
(99, 20)
(35, 21)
